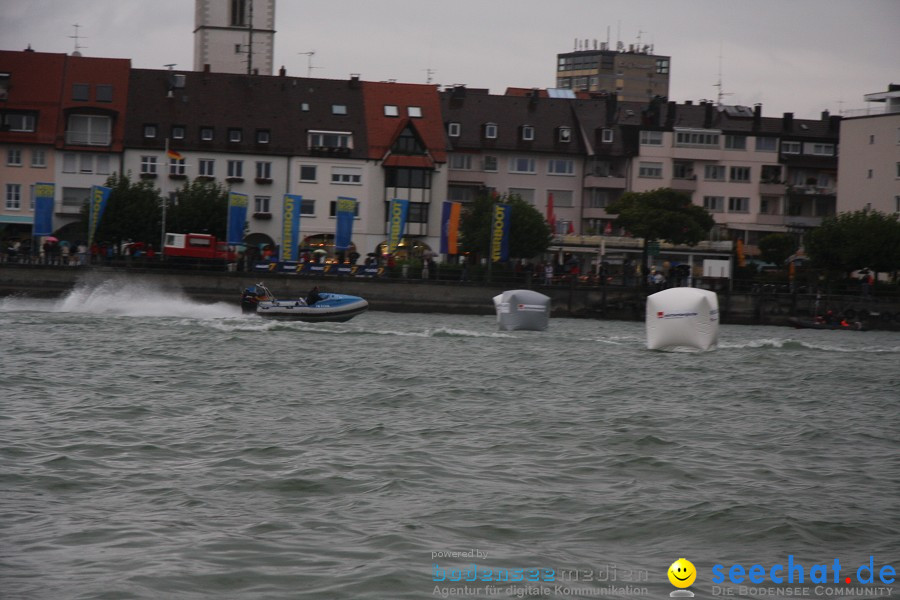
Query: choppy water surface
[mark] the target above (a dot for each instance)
(153, 447)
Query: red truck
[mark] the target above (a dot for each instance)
(198, 248)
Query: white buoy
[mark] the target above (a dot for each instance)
(682, 317)
(522, 309)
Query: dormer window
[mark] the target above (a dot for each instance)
(490, 131)
(565, 135)
(527, 133)
(339, 109)
(234, 135)
(453, 129)
(415, 112)
(391, 110)
(149, 131)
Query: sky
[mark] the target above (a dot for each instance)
(800, 56)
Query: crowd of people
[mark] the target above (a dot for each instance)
(53, 251)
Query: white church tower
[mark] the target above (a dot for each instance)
(234, 36)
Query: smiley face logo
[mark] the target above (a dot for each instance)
(682, 573)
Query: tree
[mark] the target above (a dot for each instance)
(529, 233)
(853, 240)
(132, 212)
(776, 248)
(200, 207)
(661, 214)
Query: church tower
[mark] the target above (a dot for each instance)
(234, 36)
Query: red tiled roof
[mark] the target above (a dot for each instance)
(383, 130)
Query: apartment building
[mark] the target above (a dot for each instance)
(869, 168)
(63, 122)
(632, 74)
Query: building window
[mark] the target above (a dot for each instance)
(418, 212)
(261, 204)
(606, 136)
(346, 175)
(739, 174)
(682, 170)
(770, 174)
(650, 169)
(871, 173)
(489, 164)
(597, 198)
(85, 163)
(235, 135)
(766, 144)
(149, 131)
(102, 164)
(527, 133)
(206, 167)
(408, 178)
(565, 135)
(461, 162)
(21, 122)
(262, 136)
(391, 110)
(414, 112)
(263, 170)
(330, 139)
(308, 207)
(521, 165)
(768, 205)
(70, 162)
(735, 142)
(490, 131)
(176, 166)
(714, 203)
(790, 147)
(104, 92)
(651, 138)
(525, 194)
(821, 149)
(561, 167)
(13, 196)
(239, 13)
(148, 165)
(89, 130)
(714, 173)
(206, 134)
(308, 173)
(304, 106)
(339, 109)
(14, 157)
(236, 168)
(662, 66)
(696, 138)
(739, 205)
(38, 157)
(81, 92)
(177, 132)
(562, 198)
(453, 129)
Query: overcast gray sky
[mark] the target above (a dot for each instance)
(800, 56)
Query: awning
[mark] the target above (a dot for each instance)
(19, 219)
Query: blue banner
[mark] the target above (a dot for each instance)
(345, 212)
(96, 206)
(500, 233)
(237, 217)
(290, 227)
(397, 219)
(43, 209)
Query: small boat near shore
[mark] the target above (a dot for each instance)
(810, 324)
(325, 306)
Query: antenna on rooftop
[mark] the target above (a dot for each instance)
(719, 83)
(76, 37)
(429, 73)
(309, 66)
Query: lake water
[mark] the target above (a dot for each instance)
(154, 447)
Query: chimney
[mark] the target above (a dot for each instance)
(611, 108)
(354, 81)
(670, 114)
(282, 71)
(206, 68)
(787, 123)
(834, 123)
(708, 115)
(757, 117)
(688, 102)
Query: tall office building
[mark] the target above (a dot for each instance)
(633, 74)
(234, 36)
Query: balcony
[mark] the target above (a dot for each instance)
(684, 184)
(772, 188)
(607, 182)
(83, 138)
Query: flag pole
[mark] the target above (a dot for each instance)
(162, 233)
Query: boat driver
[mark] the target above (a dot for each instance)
(313, 296)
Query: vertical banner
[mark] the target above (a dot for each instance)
(97, 204)
(345, 212)
(237, 218)
(43, 209)
(500, 232)
(397, 218)
(551, 216)
(290, 227)
(450, 227)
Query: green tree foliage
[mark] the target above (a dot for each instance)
(853, 240)
(529, 233)
(132, 212)
(662, 214)
(776, 248)
(201, 207)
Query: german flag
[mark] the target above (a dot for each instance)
(174, 155)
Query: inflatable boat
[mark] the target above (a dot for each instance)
(324, 307)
